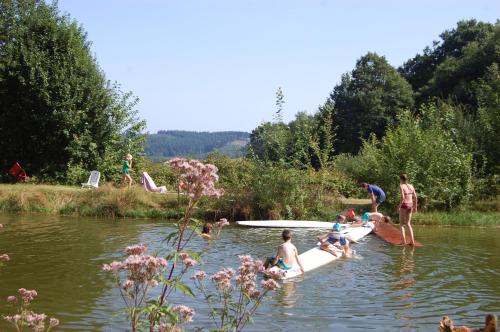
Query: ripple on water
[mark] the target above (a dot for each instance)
(383, 288)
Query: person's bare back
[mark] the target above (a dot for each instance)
(287, 251)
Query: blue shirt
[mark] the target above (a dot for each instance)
(377, 191)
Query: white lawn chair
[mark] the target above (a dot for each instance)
(93, 181)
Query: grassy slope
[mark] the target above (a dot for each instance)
(106, 201)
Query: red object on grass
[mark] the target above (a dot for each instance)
(18, 172)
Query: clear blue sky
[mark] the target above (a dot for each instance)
(216, 65)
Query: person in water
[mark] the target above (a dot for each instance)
(377, 195)
(335, 241)
(127, 164)
(287, 255)
(206, 231)
(407, 206)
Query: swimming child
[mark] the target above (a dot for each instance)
(287, 255)
(206, 232)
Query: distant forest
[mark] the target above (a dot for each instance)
(170, 143)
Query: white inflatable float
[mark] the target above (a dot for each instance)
(315, 257)
(286, 223)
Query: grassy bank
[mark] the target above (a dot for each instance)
(111, 202)
(107, 201)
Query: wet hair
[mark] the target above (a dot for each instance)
(386, 219)
(404, 178)
(287, 234)
(206, 228)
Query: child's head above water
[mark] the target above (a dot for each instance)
(287, 235)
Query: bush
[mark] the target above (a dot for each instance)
(440, 168)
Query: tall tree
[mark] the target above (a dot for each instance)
(366, 101)
(448, 68)
(58, 109)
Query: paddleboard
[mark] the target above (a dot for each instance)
(286, 223)
(315, 257)
(389, 233)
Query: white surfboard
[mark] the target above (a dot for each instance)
(315, 257)
(286, 223)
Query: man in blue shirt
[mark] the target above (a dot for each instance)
(377, 195)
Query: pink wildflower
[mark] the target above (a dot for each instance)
(113, 266)
(183, 255)
(198, 179)
(185, 312)
(200, 275)
(189, 262)
(245, 258)
(270, 284)
(222, 278)
(27, 295)
(153, 283)
(35, 319)
(255, 294)
(128, 284)
(136, 249)
(53, 322)
(275, 273)
(12, 299)
(4, 258)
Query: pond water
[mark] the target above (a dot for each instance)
(384, 288)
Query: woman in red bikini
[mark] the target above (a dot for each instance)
(407, 206)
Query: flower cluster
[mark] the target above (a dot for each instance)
(27, 317)
(275, 273)
(187, 260)
(186, 314)
(4, 258)
(222, 279)
(140, 268)
(27, 295)
(197, 179)
(238, 302)
(248, 274)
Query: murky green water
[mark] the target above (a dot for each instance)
(385, 288)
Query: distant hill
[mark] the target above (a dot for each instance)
(170, 143)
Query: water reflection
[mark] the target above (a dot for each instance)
(456, 273)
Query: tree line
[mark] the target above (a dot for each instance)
(437, 118)
(170, 143)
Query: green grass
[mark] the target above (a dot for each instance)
(111, 202)
(107, 201)
(459, 218)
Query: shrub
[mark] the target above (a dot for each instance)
(440, 168)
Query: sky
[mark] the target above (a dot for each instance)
(215, 65)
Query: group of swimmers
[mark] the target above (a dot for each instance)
(337, 243)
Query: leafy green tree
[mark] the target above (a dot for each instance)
(366, 101)
(449, 67)
(59, 113)
(488, 91)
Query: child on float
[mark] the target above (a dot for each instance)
(335, 241)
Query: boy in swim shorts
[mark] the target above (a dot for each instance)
(287, 255)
